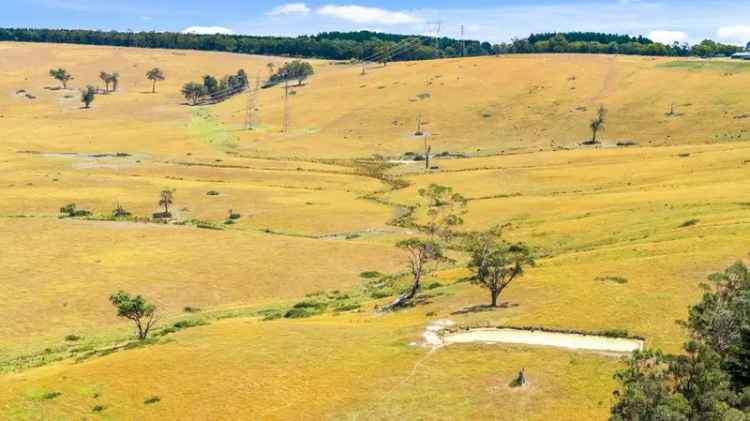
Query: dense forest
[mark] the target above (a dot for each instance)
(597, 43)
(332, 45)
(375, 45)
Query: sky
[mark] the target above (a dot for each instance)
(494, 21)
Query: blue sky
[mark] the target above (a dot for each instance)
(495, 21)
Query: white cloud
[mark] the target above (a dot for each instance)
(289, 9)
(207, 30)
(668, 37)
(361, 14)
(739, 33)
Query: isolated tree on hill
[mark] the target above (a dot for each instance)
(114, 78)
(155, 75)
(88, 95)
(597, 124)
(62, 76)
(165, 199)
(193, 92)
(421, 253)
(445, 210)
(494, 263)
(136, 309)
(270, 66)
(107, 79)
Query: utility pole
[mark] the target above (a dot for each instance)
(463, 42)
(437, 39)
(364, 68)
(250, 112)
(419, 131)
(427, 152)
(285, 127)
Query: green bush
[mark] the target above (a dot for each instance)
(152, 400)
(306, 309)
(98, 408)
(370, 275)
(51, 395)
(347, 307)
(380, 294)
(73, 338)
(689, 223)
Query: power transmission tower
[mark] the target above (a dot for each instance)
(287, 112)
(463, 43)
(251, 115)
(437, 24)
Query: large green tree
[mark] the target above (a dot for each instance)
(137, 310)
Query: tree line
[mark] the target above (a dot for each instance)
(597, 43)
(330, 45)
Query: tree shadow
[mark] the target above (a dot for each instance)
(481, 308)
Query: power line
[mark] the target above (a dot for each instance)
(287, 111)
(251, 114)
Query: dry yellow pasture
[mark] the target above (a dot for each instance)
(662, 214)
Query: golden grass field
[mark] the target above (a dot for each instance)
(310, 226)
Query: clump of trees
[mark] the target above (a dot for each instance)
(137, 310)
(228, 85)
(155, 75)
(61, 75)
(88, 95)
(296, 70)
(711, 380)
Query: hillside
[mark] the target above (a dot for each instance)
(316, 216)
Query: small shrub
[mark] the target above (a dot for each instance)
(306, 309)
(98, 408)
(51, 395)
(615, 279)
(73, 338)
(347, 307)
(689, 223)
(72, 211)
(189, 309)
(152, 400)
(370, 275)
(184, 324)
(212, 193)
(380, 294)
(234, 215)
(120, 212)
(433, 285)
(615, 333)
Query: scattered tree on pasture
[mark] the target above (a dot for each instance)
(136, 309)
(62, 76)
(270, 66)
(421, 253)
(165, 199)
(155, 75)
(495, 264)
(114, 78)
(193, 92)
(597, 124)
(88, 95)
(106, 78)
(445, 210)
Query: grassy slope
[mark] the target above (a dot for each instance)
(592, 213)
